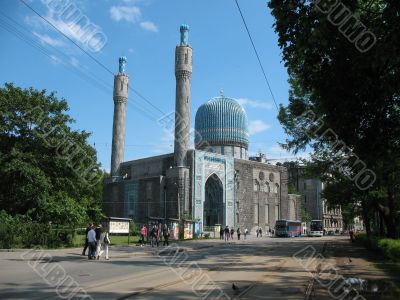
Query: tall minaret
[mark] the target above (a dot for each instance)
(118, 137)
(183, 74)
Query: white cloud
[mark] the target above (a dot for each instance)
(74, 62)
(55, 60)
(87, 34)
(254, 103)
(45, 39)
(150, 26)
(125, 13)
(131, 50)
(257, 126)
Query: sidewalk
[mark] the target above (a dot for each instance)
(355, 273)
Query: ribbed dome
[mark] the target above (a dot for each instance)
(221, 121)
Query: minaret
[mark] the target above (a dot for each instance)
(118, 137)
(178, 175)
(183, 74)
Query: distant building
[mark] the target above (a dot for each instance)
(311, 199)
(332, 218)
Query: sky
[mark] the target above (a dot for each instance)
(34, 54)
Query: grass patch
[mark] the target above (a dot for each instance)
(79, 240)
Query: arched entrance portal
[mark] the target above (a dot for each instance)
(213, 204)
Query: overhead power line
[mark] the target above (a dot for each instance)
(21, 33)
(255, 51)
(89, 55)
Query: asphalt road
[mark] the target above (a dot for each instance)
(256, 268)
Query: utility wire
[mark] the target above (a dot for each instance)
(258, 57)
(88, 54)
(90, 77)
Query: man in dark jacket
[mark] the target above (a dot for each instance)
(165, 233)
(86, 239)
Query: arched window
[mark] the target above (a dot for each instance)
(276, 188)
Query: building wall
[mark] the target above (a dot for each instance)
(255, 194)
(261, 194)
(310, 190)
(235, 151)
(294, 211)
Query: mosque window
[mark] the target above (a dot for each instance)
(186, 58)
(276, 188)
(121, 87)
(222, 150)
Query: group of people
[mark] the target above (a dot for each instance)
(226, 233)
(97, 241)
(155, 235)
(269, 233)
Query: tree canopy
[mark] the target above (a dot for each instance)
(49, 171)
(344, 100)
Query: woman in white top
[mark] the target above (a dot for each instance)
(106, 242)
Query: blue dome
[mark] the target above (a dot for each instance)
(221, 121)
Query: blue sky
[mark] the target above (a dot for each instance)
(146, 32)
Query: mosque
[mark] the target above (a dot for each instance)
(214, 184)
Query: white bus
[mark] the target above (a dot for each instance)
(316, 228)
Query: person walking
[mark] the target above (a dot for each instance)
(146, 234)
(351, 234)
(165, 233)
(221, 234)
(143, 233)
(99, 233)
(86, 239)
(238, 233)
(157, 235)
(226, 232)
(106, 242)
(152, 236)
(245, 233)
(260, 232)
(91, 236)
(232, 232)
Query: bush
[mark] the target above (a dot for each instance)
(21, 232)
(206, 235)
(390, 248)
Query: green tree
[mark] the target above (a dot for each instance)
(48, 170)
(343, 102)
(305, 216)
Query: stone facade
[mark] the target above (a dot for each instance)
(253, 194)
(261, 194)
